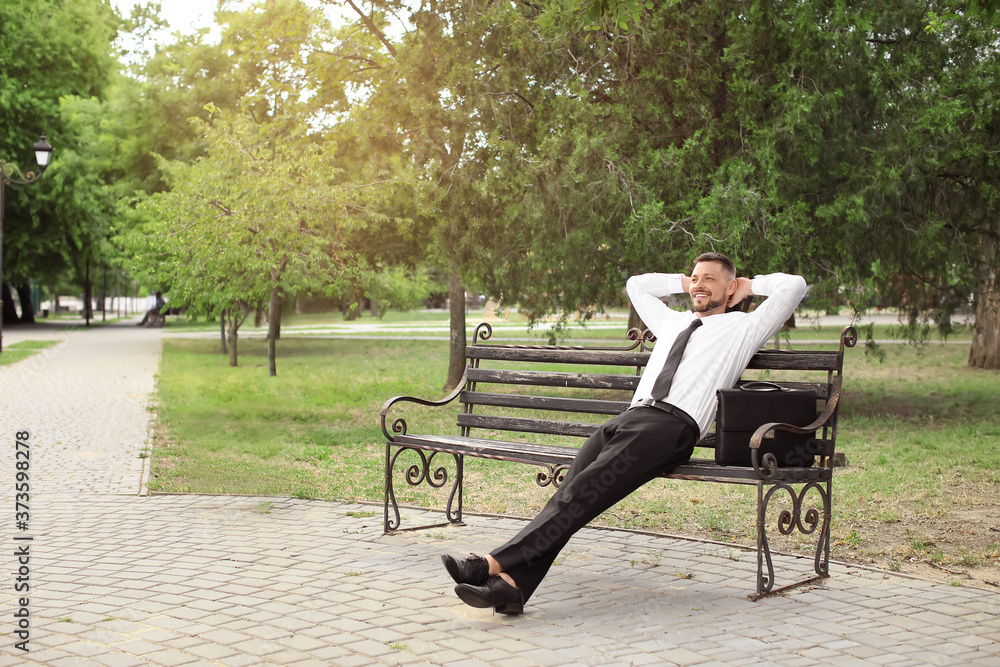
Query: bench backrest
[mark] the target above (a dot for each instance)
(569, 390)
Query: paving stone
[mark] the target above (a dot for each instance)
(75, 661)
(170, 658)
(513, 662)
(120, 659)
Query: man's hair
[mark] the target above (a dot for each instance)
(721, 259)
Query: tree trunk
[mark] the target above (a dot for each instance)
(456, 308)
(88, 296)
(234, 319)
(273, 329)
(9, 312)
(222, 330)
(274, 317)
(88, 301)
(27, 307)
(104, 295)
(985, 351)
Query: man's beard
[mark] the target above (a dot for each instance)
(708, 307)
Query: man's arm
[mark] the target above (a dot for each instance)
(783, 292)
(644, 291)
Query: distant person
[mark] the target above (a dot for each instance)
(155, 310)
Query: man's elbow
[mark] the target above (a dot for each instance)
(798, 285)
(632, 285)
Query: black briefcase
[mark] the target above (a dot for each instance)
(742, 410)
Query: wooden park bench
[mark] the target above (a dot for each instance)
(510, 399)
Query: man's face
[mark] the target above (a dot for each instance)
(711, 287)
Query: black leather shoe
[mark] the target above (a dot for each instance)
(471, 570)
(496, 593)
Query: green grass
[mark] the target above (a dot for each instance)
(921, 433)
(16, 352)
(311, 431)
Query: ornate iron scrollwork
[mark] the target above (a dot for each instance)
(848, 338)
(644, 338)
(483, 332)
(767, 467)
(553, 475)
(416, 474)
(788, 522)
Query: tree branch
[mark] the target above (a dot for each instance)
(373, 29)
(211, 202)
(513, 94)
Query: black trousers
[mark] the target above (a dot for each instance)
(622, 455)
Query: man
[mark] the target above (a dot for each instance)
(155, 310)
(697, 353)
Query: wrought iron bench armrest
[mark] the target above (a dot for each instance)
(399, 425)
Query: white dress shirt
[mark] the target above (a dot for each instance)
(719, 350)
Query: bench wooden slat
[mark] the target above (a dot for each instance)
(708, 470)
(521, 452)
(795, 360)
(554, 379)
(557, 356)
(525, 425)
(585, 405)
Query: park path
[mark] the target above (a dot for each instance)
(85, 403)
(119, 578)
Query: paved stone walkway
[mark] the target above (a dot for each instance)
(86, 402)
(120, 579)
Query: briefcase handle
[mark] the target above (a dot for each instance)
(761, 385)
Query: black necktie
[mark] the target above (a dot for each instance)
(662, 385)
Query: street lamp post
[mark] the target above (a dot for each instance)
(43, 153)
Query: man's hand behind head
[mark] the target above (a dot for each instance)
(742, 291)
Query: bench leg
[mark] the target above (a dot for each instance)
(416, 474)
(456, 492)
(788, 522)
(389, 495)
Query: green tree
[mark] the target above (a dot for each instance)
(439, 105)
(871, 133)
(49, 231)
(851, 143)
(261, 75)
(935, 221)
(254, 218)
